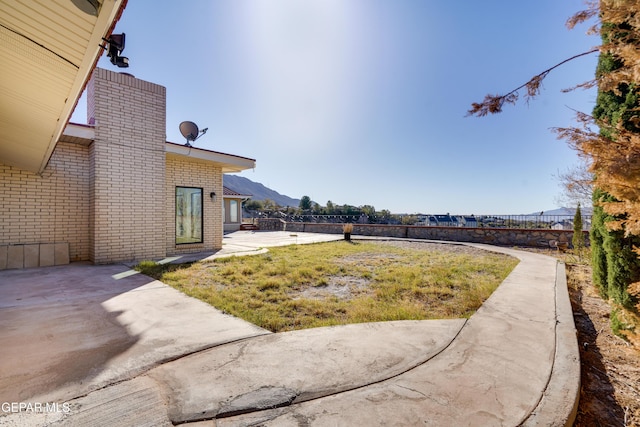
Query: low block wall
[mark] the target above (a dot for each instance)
(33, 255)
(494, 236)
(272, 224)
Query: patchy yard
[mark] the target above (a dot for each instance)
(306, 286)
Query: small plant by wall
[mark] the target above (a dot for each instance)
(347, 229)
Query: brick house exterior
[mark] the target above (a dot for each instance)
(108, 193)
(233, 209)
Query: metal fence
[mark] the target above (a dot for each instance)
(552, 222)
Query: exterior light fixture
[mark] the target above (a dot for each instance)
(213, 195)
(116, 46)
(90, 7)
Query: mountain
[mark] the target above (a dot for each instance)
(257, 191)
(585, 210)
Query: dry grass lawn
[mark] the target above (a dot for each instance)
(306, 286)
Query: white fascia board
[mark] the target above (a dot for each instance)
(228, 162)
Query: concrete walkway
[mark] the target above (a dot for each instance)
(117, 348)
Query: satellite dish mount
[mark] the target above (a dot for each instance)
(190, 131)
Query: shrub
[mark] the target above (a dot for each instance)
(598, 254)
(615, 264)
(578, 239)
(618, 324)
(347, 229)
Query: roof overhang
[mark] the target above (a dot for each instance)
(48, 49)
(228, 193)
(229, 163)
(85, 134)
(78, 134)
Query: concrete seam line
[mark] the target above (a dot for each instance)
(559, 403)
(444, 348)
(146, 369)
(537, 408)
(296, 401)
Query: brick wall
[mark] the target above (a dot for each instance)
(48, 208)
(112, 200)
(184, 172)
(127, 168)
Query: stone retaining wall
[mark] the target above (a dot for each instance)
(494, 236)
(271, 224)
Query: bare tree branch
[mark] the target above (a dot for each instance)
(493, 104)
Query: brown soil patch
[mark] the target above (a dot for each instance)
(610, 367)
(349, 287)
(341, 287)
(436, 247)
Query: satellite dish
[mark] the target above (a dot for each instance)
(190, 131)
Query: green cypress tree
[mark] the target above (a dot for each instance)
(596, 238)
(614, 263)
(577, 239)
(622, 266)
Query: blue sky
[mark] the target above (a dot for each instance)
(364, 101)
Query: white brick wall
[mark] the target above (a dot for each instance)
(182, 172)
(52, 208)
(113, 200)
(127, 168)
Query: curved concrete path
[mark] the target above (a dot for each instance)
(152, 356)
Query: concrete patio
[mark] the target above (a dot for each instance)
(114, 347)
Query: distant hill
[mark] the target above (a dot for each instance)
(257, 191)
(566, 211)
